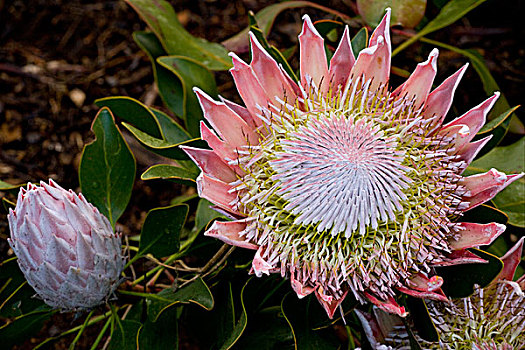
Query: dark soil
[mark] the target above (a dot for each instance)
(57, 57)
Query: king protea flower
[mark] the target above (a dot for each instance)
(66, 249)
(339, 183)
(493, 318)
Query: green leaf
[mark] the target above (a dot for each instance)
(124, 336)
(171, 130)
(15, 293)
(407, 13)
(498, 128)
(328, 29)
(272, 50)
(485, 214)
(163, 147)
(240, 325)
(7, 187)
(134, 112)
(191, 74)
(267, 331)
(170, 88)
(509, 159)
(222, 318)
(163, 21)
(450, 13)
(512, 201)
(459, 280)
(298, 315)
(205, 214)
(160, 335)
(23, 327)
(422, 321)
(107, 168)
(359, 41)
(161, 230)
(265, 18)
(7, 204)
(196, 292)
(169, 172)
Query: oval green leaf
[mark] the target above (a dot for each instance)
(134, 112)
(163, 21)
(170, 88)
(196, 292)
(107, 168)
(160, 235)
(191, 73)
(169, 172)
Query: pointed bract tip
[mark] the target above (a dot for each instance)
(308, 27)
(386, 18)
(197, 90)
(237, 61)
(433, 54)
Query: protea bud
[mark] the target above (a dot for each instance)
(66, 249)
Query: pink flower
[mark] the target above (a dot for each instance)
(340, 184)
(493, 318)
(66, 249)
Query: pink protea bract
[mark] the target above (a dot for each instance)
(340, 184)
(493, 318)
(66, 248)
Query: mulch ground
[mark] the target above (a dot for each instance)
(57, 57)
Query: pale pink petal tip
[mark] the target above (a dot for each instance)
(420, 81)
(475, 118)
(230, 232)
(511, 260)
(210, 163)
(230, 126)
(237, 61)
(426, 288)
(389, 305)
(329, 303)
(260, 266)
(268, 73)
(474, 235)
(440, 99)
(300, 289)
(480, 182)
(382, 30)
(216, 192)
(309, 28)
(313, 62)
(476, 198)
(342, 61)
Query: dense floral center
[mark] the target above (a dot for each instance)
(346, 192)
(340, 173)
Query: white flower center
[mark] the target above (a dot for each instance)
(340, 173)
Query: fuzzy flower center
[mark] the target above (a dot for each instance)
(340, 173)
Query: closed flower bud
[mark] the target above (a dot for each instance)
(66, 248)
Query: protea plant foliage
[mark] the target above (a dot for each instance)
(340, 183)
(66, 249)
(493, 318)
